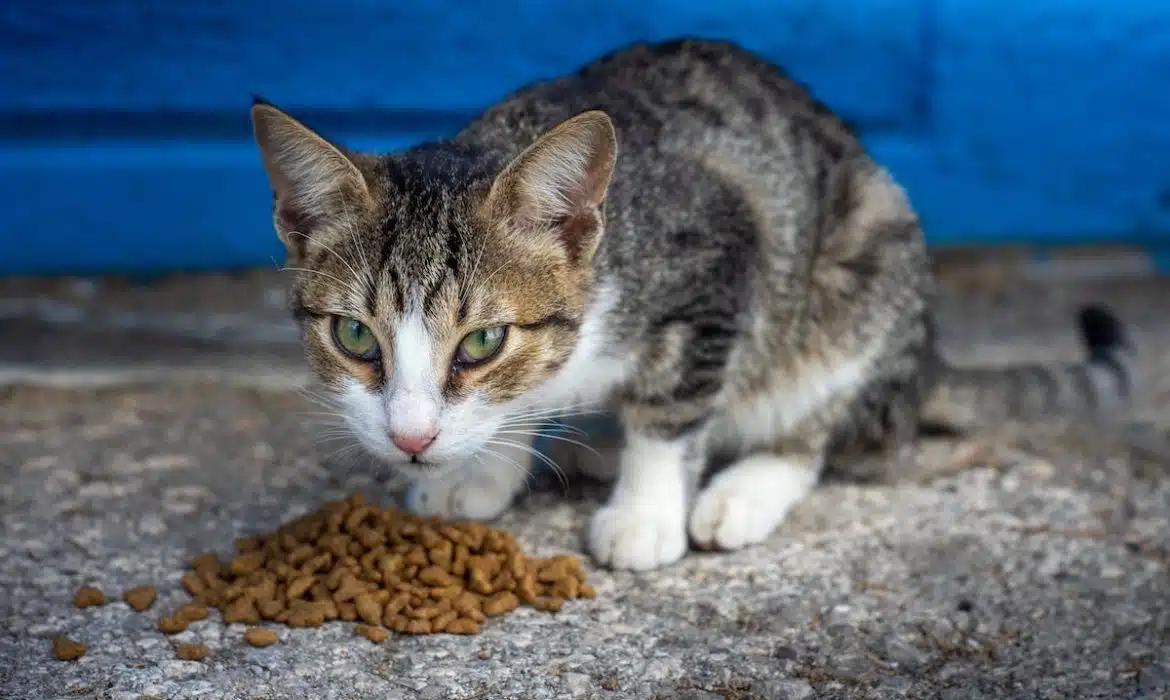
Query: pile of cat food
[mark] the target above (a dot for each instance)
(354, 561)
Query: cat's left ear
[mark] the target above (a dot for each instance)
(557, 186)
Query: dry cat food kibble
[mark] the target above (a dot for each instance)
(192, 652)
(377, 635)
(88, 596)
(384, 568)
(68, 650)
(259, 637)
(140, 598)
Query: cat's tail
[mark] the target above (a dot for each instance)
(966, 398)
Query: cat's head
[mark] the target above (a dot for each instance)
(436, 296)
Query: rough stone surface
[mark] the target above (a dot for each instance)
(1024, 564)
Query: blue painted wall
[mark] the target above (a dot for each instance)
(124, 141)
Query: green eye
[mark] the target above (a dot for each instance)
(480, 345)
(355, 338)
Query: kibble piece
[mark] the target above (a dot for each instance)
(549, 604)
(88, 596)
(192, 652)
(270, 609)
(194, 585)
(368, 609)
(172, 625)
(418, 627)
(242, 610)
(65, 649)
(247, 563)
(440, 623)
(462, 626)
(192, 612)
(500, 603)
(140, 598)
(299, 586)
(377, 635)
(260, 637)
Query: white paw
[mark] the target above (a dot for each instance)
(637, 537)
(743, 505)
(461, 495)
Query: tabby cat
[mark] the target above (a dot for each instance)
(676, 233)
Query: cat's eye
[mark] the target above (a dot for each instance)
(480, 346)
(355, 338)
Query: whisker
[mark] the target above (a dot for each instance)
(513, 463)
(556, 468)
(337, 255)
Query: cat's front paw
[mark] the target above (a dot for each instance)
(637, 537)
(461, 495)
(743, 505)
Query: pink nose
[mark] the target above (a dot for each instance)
(412, 444)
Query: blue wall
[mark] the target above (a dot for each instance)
(124, 136)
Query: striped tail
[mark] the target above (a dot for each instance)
(978, 397)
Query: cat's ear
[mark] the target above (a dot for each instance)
(316, 185)
(557, 186)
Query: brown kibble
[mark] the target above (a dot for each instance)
(194, 585)
(439, 623)
(377, 635)
(298, 586)
(300, 555)
(140, 598)
(448, 593)
(88, 597)
(442, 554)
(241, 610)
(191, 612)
(271, 609)
(247, 563)
(418, 627)
(249, 544)
(567, 588)
(426, 612)
(260, 637)
(549, 604)
(354, 561)
(192, 652)
(306, 614)
(349, 589)
(479, 580)
(517, 564)
(172, 625)
(436, 577)
(206, 565)
(368, 610)
(526, 588)
(65, 649)
(500, 603)
(462, 626)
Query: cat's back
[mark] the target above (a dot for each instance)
(667, 96)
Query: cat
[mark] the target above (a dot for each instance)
(678, 233)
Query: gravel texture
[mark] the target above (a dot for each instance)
(1024, 564)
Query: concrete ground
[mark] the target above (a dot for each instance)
(140, 425)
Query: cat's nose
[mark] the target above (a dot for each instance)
(412, 444)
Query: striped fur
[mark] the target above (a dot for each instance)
(678, 233)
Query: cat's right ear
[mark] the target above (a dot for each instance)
(316, 185)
